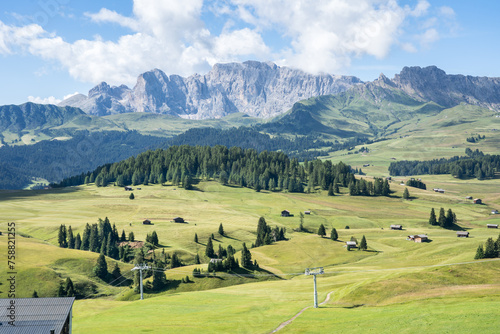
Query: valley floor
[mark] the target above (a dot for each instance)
(395, 286)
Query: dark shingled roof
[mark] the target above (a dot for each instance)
(35, 315)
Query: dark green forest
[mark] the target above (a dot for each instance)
(183, 165)
(475, 164)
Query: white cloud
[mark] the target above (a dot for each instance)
(447, 11)
(172, 36)
(43, 100)
(420, 9)
(109, 16)
(428, 37)
(409, 47)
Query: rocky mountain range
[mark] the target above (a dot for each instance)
(265, 90)
(253, 88)
(433, 84)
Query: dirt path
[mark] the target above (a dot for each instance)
(285, 323)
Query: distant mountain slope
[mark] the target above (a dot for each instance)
(253, 88)
(29, 116)
(371, 109)
(433, 84)
(55, 160)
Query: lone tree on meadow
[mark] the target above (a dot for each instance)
(221, 229)
(432, 219)
(101, 267)
(362, 244)
(209, 250)
(196, 237)
(334, 235)
(406, 194)
(131, 196)
(321, 230)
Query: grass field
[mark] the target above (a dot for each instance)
(395, 280)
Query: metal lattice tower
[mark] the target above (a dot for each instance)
(314, 272)
(141, 267)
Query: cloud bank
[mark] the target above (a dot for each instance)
(319, 36)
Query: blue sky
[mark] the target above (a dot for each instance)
(50, 49)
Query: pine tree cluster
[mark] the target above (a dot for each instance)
(490, 250)
(267, 235)
(179, 165)
(445, 220)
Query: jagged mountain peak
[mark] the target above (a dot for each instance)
(260, 89)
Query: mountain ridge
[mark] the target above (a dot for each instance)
(254, 88)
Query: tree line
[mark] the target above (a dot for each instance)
(474, 165)
(180, 165)
(490, 250)
(101, 238)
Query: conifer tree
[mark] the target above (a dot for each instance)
(362, 244)
(61, 292)
(61, 237)
(196, 237)
(334, 235)
(406, 194)
(449, 218)
(321, 230)
(35, 294)
(246, 257)
(221, 229)
(442, 218)
(131, 237)
(116, 271)
(432, 219)
(78, 241)
(131, 196)
(85, 238)
(69, 288)
(71, 238)
(101, 267)
(479, 253)
(209, 250)
(154, 238)
(197, 259)
(123, 237)
(489, 249)
(330, 190)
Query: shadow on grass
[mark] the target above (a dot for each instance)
(354, 306)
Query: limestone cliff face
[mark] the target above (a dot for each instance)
(254, 88)
(433, 84)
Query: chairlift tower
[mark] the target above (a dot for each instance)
(314, 272)
(141, 267)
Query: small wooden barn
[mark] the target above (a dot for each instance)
(468, 197)
(418, 238)
(215, 260)
(478, 201)
(351, 244)
(146, 222)
(494, 212)
(396, 227)
(128, 188)
(178, 220)
(286, 213)
(307, 212)
(492, 225)
(462, 234)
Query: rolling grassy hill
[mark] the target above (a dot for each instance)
(419, 282)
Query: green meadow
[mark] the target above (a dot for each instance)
(395, 286)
